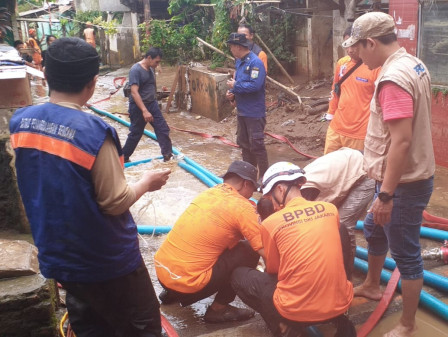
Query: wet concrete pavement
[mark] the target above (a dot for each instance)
(162, 208)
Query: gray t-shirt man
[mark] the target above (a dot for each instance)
(146, 82)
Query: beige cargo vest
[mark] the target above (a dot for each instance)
(412, 75)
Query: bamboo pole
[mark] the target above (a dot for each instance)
(288, 90)
(275, 59)
(214, 48)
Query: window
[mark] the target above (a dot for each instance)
(433, 49)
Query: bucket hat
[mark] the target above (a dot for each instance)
(244, 170)
(239, 39)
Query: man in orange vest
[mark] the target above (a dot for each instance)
(89, 34)
(34, 44)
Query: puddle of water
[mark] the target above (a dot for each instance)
(428, 325)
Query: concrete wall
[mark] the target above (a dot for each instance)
(124, 46)
(87, 5)
(12, 214)
(339, 26)
(27, 307)
(112, 6)
(205, 92)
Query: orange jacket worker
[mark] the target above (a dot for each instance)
(217, 233)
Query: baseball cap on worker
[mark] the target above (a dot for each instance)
(370, 25)
(243, 169)
(240, 39)
(281, 171)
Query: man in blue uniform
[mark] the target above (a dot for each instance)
(70, 175)
(247, 89)
(143, 106)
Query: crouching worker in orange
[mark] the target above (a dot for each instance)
(303, 283)
(206, 244)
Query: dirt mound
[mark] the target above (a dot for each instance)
(300, 123)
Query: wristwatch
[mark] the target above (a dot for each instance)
(385, 197)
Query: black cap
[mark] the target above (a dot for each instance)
(240, 39)
(245, 170)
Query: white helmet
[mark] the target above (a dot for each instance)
(281, 171)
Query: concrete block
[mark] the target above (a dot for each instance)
(17, 258)
(27, 307)
(207, 90)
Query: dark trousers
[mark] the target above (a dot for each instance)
(242, 255)
(256, 289)
(250, 137)
(123, 307)
(347, 252)
(137, 127)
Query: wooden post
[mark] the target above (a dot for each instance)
(173, 87)
(275, 59)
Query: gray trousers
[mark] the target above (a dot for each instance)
(354, 207)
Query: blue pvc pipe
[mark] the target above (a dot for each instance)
(425, 232)
(312, 331)
(428, 301)
(150, 134)
(138, 162)
(198, 174)
(156, 230)
(209, 174)
(429, 278)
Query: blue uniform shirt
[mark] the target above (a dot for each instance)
(250, 77)
(56, 148)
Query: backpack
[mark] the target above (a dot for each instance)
(127, 90)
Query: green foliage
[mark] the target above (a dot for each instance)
(443, 91)
(26, 5)
(178, 43)
(98, 19)
(109, 27)
(214, 24)
(222, 28)
(437, 90)
(277, 31)
(81, 18)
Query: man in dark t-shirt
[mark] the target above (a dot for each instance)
(143, 106)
